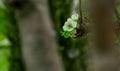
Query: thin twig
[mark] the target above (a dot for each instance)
(80, 11)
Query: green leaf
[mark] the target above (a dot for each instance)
(67, 34)
(2, 37)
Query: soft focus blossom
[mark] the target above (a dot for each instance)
(69, 25)
(75, 16)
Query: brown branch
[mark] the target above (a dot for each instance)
(80, 12)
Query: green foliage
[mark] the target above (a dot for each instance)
(4, 64)
(9, 31)
(67, 34)
(2, 37)
(2, 21)
(118, 8)
(4, 47)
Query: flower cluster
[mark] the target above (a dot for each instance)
(70, 26)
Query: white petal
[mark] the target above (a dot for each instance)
(66, 23)
(74, 16)
(64, 28)
(69, 20)
(74, 24)
(70, 29)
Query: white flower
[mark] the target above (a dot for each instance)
(75, 16)
(74, 23)
(69, 25)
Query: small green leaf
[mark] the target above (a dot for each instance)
(67, 34)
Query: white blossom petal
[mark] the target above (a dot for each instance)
(75, 16)
(70, 29)
(74, 24)
(69, 20)
(70, 24)
(64, 28)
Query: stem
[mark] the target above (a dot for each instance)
(80, 12)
